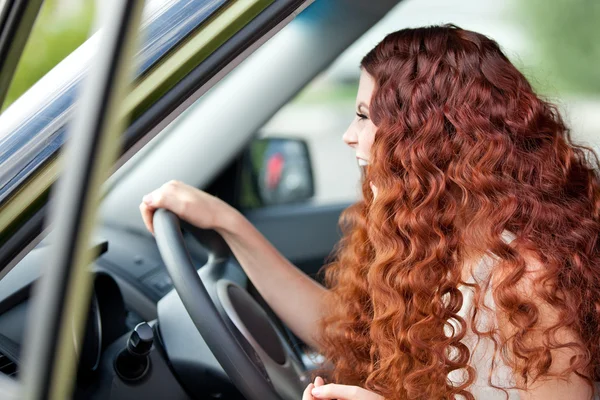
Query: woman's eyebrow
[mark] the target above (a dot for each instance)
(363, 105)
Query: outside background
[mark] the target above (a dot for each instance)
(554, 43)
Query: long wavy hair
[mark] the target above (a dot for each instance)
(464, 150)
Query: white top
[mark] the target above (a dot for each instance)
(482, 349)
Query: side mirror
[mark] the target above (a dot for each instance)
(276, 171)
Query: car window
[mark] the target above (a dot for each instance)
(33, 130)
(553, 44)
(61, 27)
(177, 35)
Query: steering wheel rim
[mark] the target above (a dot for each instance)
(245, 370)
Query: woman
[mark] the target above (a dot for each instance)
(471, 268)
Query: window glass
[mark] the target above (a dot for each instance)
(56, 59)
(61, 26)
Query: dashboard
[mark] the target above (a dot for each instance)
(129, 281)
(106, 309)
(106, 316)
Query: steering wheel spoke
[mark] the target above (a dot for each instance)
(239, 333)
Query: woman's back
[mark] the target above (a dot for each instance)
(490, 370)
(493, 378)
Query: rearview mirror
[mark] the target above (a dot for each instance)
(276, 171)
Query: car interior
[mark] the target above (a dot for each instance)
(142, 338)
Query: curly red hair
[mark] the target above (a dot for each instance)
(464, 150)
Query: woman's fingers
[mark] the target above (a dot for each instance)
(307, 395)
(167, 196)
(147, 215)
(188, 203)
(343, 392)
(334, 391)
(164, 197)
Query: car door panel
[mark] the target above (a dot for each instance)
(305, 233)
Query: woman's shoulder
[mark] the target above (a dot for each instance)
(479, 269)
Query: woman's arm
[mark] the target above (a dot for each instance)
(294, 297)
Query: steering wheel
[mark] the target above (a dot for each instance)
(235, 327)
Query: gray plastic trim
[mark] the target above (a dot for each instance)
(242, 364)
(288, 378)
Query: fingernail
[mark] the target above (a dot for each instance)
(316, 391)
(147, 199)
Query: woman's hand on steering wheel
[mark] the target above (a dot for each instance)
(188, 203)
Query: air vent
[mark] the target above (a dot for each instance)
(7, 366)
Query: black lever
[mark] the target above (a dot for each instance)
(133, 363)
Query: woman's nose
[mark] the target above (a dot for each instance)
(350, 137)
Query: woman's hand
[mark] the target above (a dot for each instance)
(188, 203)
(319, 390)
(307, 395)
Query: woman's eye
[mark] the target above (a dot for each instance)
(361, 116)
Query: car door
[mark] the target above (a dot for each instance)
(305, 233)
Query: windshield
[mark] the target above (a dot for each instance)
(32, 129)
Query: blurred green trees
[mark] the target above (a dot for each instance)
(566, 38)
(60, 28)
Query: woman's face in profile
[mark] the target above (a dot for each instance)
(361, 132)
